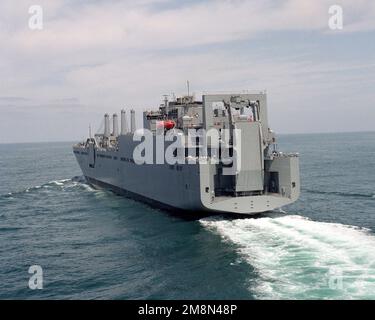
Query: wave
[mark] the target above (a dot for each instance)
(343, 194)
(10, 229)
(63, 184)
(297, 258)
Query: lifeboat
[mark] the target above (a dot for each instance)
(167, 124)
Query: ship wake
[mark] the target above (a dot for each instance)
(63, 184)
(297, 258)
(342, 194)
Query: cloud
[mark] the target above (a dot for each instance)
(125, 25)
(106, 54)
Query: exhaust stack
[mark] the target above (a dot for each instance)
(124, 125)
(115, 125)
(132, 121)
(107, 128)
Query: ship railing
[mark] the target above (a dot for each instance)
(285, 155)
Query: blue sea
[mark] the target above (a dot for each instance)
(92, 244)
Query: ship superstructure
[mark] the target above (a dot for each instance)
(215, 155)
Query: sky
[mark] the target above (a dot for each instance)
(93, 57)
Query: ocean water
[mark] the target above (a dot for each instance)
(93, 244)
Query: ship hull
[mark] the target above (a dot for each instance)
(137, 197)
(182, 188)
(160, 185)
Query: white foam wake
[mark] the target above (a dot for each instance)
(296, 258)
(63, 184)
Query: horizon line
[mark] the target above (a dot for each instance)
(278, 134)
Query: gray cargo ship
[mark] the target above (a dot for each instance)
(216, 155)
